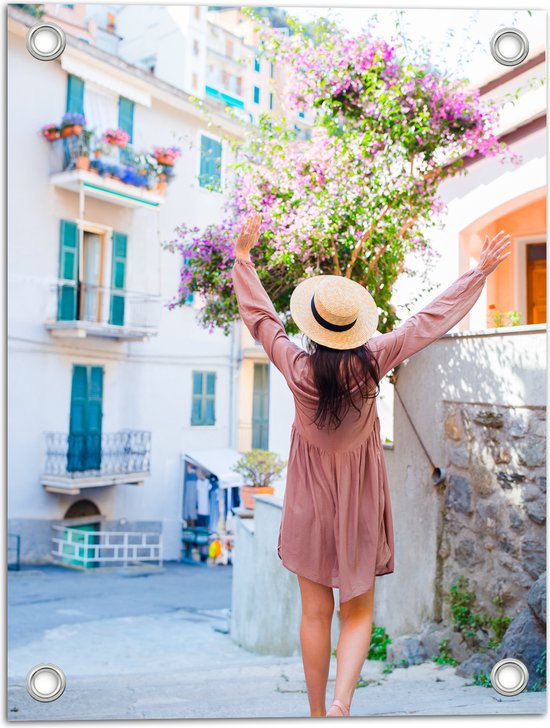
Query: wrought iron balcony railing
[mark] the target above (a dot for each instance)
(127, 452)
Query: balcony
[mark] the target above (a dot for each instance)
(227, 99)
(77, 310)
(76, 462)
(106, 188)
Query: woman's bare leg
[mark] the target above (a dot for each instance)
(353, 645)
(317, 612)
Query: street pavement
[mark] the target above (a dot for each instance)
(156, 644)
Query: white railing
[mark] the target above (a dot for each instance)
(85, 549)
(98, 304)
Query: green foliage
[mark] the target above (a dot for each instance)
(445, 657)
(259, 467)
(469, 621)
(379, 643)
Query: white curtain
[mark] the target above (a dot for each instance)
(100, 108)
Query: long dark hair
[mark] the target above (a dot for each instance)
(335, 373)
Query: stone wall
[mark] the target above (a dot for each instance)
(494, 505)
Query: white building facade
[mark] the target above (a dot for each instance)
(107, 387)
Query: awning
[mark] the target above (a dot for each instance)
(217, 462)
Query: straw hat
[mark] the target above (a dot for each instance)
(334, 311)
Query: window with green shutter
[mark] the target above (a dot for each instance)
(204, 398)
(210, 175)
(118, 278)
(67, 297)
(75, 94)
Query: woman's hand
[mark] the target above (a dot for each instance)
(491, 252)
(248, 237)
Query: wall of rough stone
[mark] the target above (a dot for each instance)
(494, 510)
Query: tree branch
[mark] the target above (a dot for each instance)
(362, 240)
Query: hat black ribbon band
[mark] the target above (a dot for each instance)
(326, 324)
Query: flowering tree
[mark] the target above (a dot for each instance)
(356, 192)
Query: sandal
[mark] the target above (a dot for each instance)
(343, 709)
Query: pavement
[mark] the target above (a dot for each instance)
(157, 645)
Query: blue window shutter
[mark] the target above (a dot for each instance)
(126, 116)
(118, 278)
(271, 100)
(210, 167)
(256, 64)
(126, 123)
(256, 95)
(84, 452)
(68, 271)
(203, 411)
(75, 94)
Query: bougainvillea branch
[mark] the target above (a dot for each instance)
(356, 190)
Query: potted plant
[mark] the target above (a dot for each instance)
(51, 132)
(162, 184)
(72, 123)
(259, 468)
(82, 160)
(116, 137)
(167, 155)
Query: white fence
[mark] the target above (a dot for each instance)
(88, 549)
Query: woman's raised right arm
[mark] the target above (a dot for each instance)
(431, 323)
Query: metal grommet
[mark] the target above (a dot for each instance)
(46, 41)
(509, 46)
(46, 682)
(509, 676)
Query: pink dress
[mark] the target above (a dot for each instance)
(336, 524)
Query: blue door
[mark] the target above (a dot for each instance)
(84, 451)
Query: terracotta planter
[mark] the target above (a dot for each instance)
(82, 163)
(52, 136)
(161, 187)
(167, 161)
(71, 130)
(248, 492)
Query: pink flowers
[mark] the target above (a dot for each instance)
(167, 155)
(385, 135)
(116, 137)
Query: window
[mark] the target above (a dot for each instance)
(271, 70)
(239, 86)
(271, 99)
(190, 296)
(210, 175)
(194, 80)
(229, 48)
(256, 94)
(301, 114)
(260, 407)
(196, 47)
(197, 12)
(83, 294)
(257, 64)
(204, 398)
